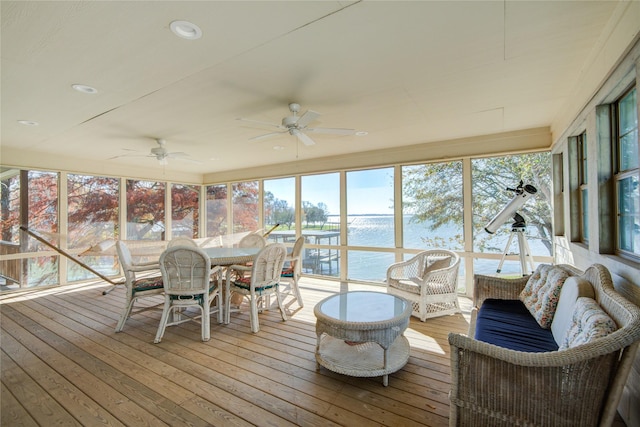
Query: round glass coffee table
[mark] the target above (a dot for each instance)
(360, 334)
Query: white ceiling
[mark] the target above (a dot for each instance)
(405, 72)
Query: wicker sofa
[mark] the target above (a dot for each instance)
(576, 386)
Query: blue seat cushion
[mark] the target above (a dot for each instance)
(509, 324)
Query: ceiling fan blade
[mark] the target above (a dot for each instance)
(332, 131)
(305, 139)
(307, 118)
(130, 155)
(177, 155)
(267, 135)
(258, 122)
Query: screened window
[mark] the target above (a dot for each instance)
(41, 205)
(216, 210)
(493, 181)
(185, 215)
(93, 208)
(627, 174)
(10, 207)
(370, 222)
(321, 223)
(279, 209)
(245, 206)
(370, 208)
(583, 192)
(432, 206)
(145, 210)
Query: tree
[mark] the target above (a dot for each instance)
(185, 201)
(315, 214)
(433, 194)
(216, 210)
(278, 211)
(245, 206)
(491, 179)
(145, 210)
(92, 209)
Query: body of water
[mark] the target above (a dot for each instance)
(378, 231)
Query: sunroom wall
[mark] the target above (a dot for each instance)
(594, 120)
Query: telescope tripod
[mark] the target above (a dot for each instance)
(518, 229)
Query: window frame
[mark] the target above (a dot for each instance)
(583, 188)
(619, 175)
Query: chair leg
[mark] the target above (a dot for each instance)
(220, 306)
(227, 308)
(205, 320)
(253, 314)
(163, 320)
(280, 306)
(423, 309)
(125, 315)
(296, 291)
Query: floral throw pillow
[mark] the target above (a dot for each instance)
(540, 294)
(589, 322)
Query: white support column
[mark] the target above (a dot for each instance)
(397, 212)
(343, 227)
(63, 227)
(123, 209)
(467, 198)
(168, 216)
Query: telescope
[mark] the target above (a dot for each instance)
(523, 192)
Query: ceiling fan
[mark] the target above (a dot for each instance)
(298, 126)
(161, 154)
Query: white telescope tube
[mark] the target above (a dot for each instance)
(510, 209)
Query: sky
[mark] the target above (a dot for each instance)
(368, 191)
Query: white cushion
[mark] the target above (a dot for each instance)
(573, 288)
(436, 263)
(589, 322)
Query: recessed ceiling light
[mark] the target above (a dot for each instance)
(186, 30)
(84, 88)
(278, 147)
(362, 133)
(28, 122)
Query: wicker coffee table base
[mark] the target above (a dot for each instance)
(366, 359)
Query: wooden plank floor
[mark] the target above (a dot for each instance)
(62, 364)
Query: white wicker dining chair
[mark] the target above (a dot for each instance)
(137, 287)
(182, 241)
(186, 274)
(429, 281)
(291, 272)
(263, 281)
(252, 240)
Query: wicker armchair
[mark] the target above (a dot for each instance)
(186, 274)
(252, 240)
(293, 271)
(429, 281)
(580, 386)
(263, 281)
(137, 287)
